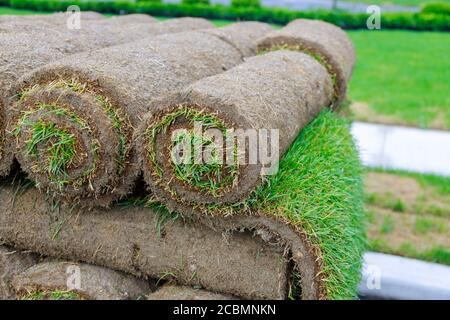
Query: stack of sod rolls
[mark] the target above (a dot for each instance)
(283, 90)
(302, 235)
(295, 233)
(91, 108)
(26, 46)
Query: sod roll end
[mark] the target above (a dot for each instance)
(271, 96)
(326, 42)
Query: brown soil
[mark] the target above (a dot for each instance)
(405, 232)
(417, 199)
(237, 263)
(405, 213)
(173, 292)
(145, 70)
(323, 41)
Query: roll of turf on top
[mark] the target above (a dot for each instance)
(90, 104)
(27, 46)
(276, 93)
(327, 43)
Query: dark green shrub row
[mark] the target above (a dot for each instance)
(195, 1)
(437, 8)
(4, 3)
(404, 20)
(246, 3)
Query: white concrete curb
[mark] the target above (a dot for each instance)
(391, 277)
(410, 149)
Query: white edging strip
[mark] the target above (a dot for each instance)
(410, 149)
(391, 277)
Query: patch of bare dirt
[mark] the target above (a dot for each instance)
(405, 230)
(406, 189)
(363, 112)
(390, 188)
(440, 121)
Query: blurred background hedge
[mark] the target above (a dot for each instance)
(434, 16)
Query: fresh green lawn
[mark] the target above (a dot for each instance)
(402, 77)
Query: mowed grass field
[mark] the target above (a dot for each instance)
(402, 77)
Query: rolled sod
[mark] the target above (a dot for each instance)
(92, 108)
(58, 280)
(326, 42)
(282, 90)
(145, 242)
(309, 214)
(27, 48)
(12, 262)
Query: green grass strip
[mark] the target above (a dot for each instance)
(62, 147)
(51, 295)
(319, 188)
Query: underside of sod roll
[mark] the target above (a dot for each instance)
(301, 235)
(257, 110)
(26, 46)
(323, 41)
(73, 120)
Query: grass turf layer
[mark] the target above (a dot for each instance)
(51, 295)
(319, 188)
